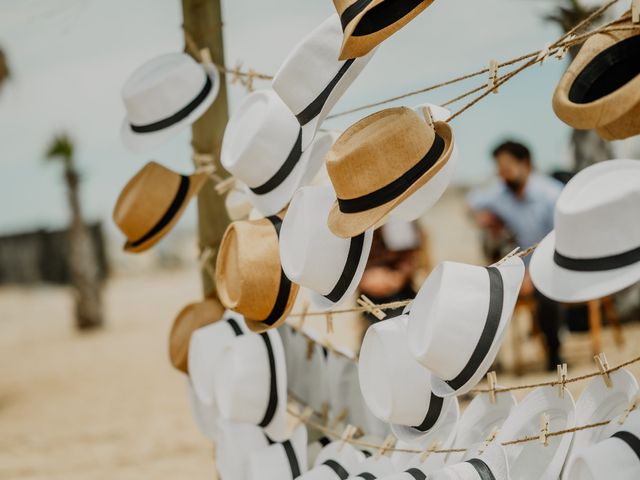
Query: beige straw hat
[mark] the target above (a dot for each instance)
(151, 203)
(601, 88)
(190, 318)
(249, 276)
(380, 161)
(367, 23)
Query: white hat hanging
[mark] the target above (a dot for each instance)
(535, 460)
(313, 257)
(395, 387)
(458, 319)
(617, 457)
(205, 347)
(336, 461)
(416, 465)
(373, 467)
(237, 202)
(262, 147)
(426, 196)
(312, 79)
(251, 382)
(594, 249)
(491, 465)
(204, 416)
(235, 444)
(164, 96)
(311, 381)
(280, 461)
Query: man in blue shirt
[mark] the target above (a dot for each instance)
(522, 202)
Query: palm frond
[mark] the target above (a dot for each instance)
(61, 148)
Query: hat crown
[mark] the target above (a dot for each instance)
(597, 212)
(161, 87)
(377, 150)
(145, 199)
(259, 138)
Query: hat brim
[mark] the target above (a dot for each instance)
(204, 416)
(351, 224)
(571, 286)
(196, 182)
(443, 430)
(257, 326)
(144, 142)
(277, 429)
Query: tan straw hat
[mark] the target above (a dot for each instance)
(190, 318)
(152, 202)
(380, 161)
(601, 88)
(367, 23)
(249, 276)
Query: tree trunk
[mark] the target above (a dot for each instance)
(83, 263)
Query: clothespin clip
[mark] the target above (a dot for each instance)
(235, 73)
(329, 319)
(506, 257)
(428, 115)
(251, 74)
(388, 443)
(310, 348)
(339, 418)
(347, 435)
(432, 448)
(493, 76)
(562, 51)
(303, 314)
(205, 55)
(223, 186)
(203, 160)
(562, 379)
(635, 11)
(305, 416)
(544, 53)
(544, 429)
(633, 404)
(492, 380)
(603, 366)
(371, 307)
(206, 255)
(487, 441)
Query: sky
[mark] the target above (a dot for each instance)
(70, 58)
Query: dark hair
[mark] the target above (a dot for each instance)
(517, 150)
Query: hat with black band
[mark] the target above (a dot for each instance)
(280, 461)
(594, 249)
(491, 465)
(336, 461)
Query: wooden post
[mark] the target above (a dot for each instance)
(202, 21)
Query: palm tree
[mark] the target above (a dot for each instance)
(4, 68)
(82, 259)
(588, 147)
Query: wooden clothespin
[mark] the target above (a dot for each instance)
(388, 443)
(223, 186)
(603, 366)
(544, 53)
(341, 417)
(303, 314)
(492, 380)
(562, 51)
(633, 404)
(432, 448)
(202, 160)
(311, 348)
(371, 307)
(635, 11)
(487, 441)
(305, 416)
(493, 76)
(544, 429)
(235, 73)
(347, 435)
(248, 84)
(428, 115)
(205, 55)
(329, 320)
(562, 379)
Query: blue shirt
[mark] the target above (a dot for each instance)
(529, 218)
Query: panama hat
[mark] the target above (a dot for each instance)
(251, 382)
(367, 23)
(601, 88)
(491, 465)
(372, 468)
(262, 147)
(395, 387)
(310, 385)
(280, 461)
(164, 96)
(533, 460)
(235, 444)
(336, 461)
(595, 248)
(249, 262)
(151, 203)
(312, 79)
(426, 196)
(599, 403)
(415, 465)
(313, 257)
(380, 161)
(190, 318)
(479, 420)
(458, 319)
(615, 457)
(206, 417)
(205, 347)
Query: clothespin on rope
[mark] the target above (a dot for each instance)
(492, 380)
(341, 417)
(235, 73)
(324, 413)
(562, 51)
(329, 320)
(388, 443)
(432, 448)
(487, 441)
(224, 186)
(205, 56)
(347, 435)
(204, 164)
(248, 84)
(635, 11)
(206, 254)
(303, 314)
(493, 76)
(544, 429)
(371, 307)
(305, 416)
(633, 404)
(545, 53)
(562, 379)
(202, 160)
(603, 366)
(428, 115)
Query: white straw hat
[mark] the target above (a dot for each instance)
(336, 461)
(458, 319)
(310, 385)
(235, 443)
(617, 457)
(206, 417)
(164, 96)
(595, 248)
(395, 387)
(205, 347)
(312, 79)
(599, 403)
(372, 468)
(426, 196)
(533, 460)
(262, 147)
(491, 465)
(313, 257)
(251, 382)
(280, 461)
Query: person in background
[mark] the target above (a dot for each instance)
(521, 206)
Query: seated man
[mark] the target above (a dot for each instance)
(523, 203)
